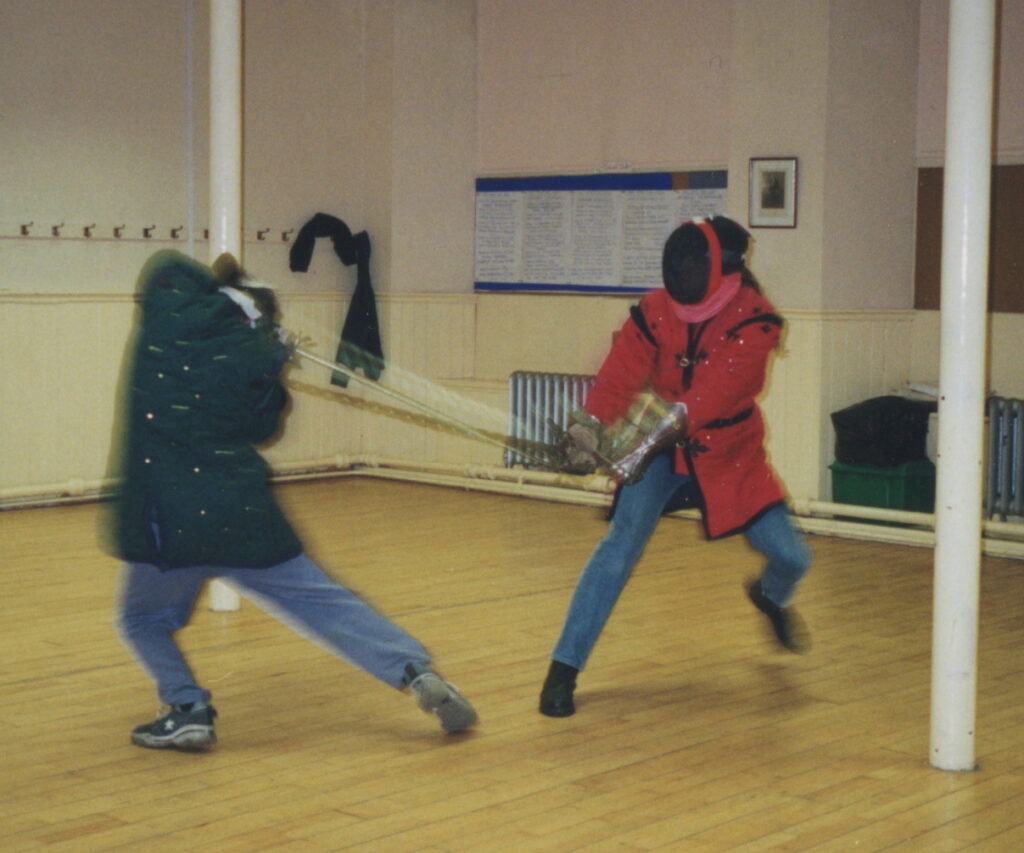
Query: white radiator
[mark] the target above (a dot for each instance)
(539, 406)
(1004, 480)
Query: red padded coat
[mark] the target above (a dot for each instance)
(717, 368)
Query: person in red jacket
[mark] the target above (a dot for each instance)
(701, 345)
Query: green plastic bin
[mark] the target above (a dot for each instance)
(910, 486)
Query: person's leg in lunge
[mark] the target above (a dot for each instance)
(305, 598)
(152, 606)
(788, 558)
(603, 578)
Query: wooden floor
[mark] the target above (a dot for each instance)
(692, 733)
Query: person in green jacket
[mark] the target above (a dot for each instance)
(201, 390)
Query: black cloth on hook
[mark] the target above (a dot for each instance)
(360, 345)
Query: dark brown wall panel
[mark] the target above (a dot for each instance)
(1006, 261)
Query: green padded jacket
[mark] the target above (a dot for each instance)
(201, 387)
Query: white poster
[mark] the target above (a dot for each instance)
(598, 233)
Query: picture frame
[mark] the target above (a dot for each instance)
(772, 192)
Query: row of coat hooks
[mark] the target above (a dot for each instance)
(92, 231)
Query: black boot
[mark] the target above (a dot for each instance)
(556, 695)
(789, 628)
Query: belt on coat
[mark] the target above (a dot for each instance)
(722, 423)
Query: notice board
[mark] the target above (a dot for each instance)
(600, 233)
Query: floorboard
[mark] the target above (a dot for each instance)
(693, 732)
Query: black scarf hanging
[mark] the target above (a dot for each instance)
(359, 347)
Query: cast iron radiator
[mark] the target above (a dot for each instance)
(1004, 477)
(535, 402)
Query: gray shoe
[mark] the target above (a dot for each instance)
(436, 696)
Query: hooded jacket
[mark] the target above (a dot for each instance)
(201, 388)
(717, 368)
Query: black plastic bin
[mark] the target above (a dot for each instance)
(883, 431)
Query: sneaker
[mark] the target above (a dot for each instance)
(556, 694)
(789, 628)
(436, 696)
(178, 727)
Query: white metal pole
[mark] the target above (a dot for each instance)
(225, 165)
(965, 241)
(190, 130)
(225, 128)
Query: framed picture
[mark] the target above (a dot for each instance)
(773, 192)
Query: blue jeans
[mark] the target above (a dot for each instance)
(153, 605)
(637, 513)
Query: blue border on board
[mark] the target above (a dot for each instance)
(624, 181)
(523, 287)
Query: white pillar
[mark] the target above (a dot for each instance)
(225, 128)
(965, 246)
(225, 165)
(190, 132)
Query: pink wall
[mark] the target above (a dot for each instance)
(649, 83)
(931, 92)
(599, 84)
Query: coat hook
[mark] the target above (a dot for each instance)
(87, 231)
(25, 227)
(148, 232)
(55, 231)
(261, 234)
(206, 233)
(284, 235)
(176, 231)
(118, 230)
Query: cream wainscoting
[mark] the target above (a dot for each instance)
(63, 355)
(854, 355)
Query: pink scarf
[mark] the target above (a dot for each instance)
(712, 302)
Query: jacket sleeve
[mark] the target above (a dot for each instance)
(732, 373)
(625, 373)
(266, 417)
(223, 375)
(249, 378)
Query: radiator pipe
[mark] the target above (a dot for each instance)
(813, 516)
(598, 485)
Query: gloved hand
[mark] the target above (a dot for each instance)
(578, 446)
(669, 430)
(291, 342)
(584, 438)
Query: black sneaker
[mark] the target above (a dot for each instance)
(789, 628)
(556, 694)
(178, 727)
(436, 696)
